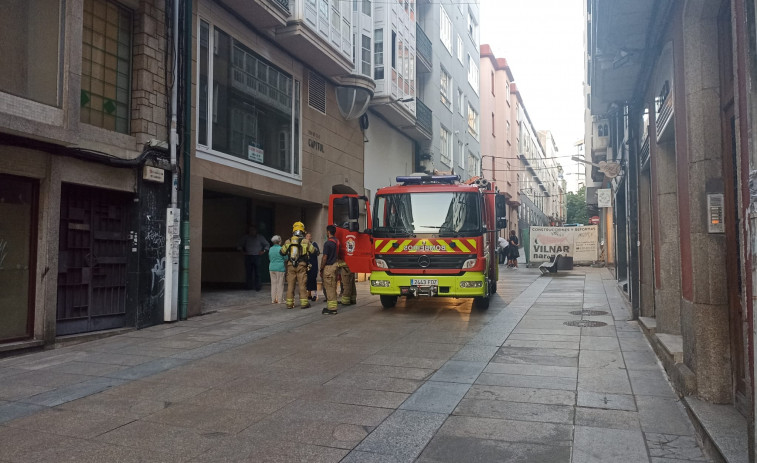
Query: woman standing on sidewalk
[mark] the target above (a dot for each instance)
(512, 251)
(276, 269)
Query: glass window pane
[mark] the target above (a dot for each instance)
(29, 49)
(254, 117)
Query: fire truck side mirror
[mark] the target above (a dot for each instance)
(500, 207)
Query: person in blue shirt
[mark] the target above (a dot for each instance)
(253, 246)
(276, 269)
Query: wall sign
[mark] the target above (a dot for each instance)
(313, 141)
(604, 197)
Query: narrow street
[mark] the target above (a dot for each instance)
(430, 381)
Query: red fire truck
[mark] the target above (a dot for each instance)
(429, 235)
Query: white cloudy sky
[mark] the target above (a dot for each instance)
(542, 41)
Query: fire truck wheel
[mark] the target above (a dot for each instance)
(492, 287)
(481, 302)
(388, 301)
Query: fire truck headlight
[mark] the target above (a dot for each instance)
(471, 284)
(470, 263)
(381, 283)
(381, 263)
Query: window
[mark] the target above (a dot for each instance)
(394, 50)
(445, 146)
(507, 130)
(460, 50)
(445, 87)
(472, 27)
(492, 76)
(365, 57)
(202, 110)
(493, 134)
(460, 154)
(445, 30)
(461, 101)
(473, 74)
(507, 91)
(106, 66)
(30, 49)
(472, 121)
(474, 166)
(378, 54)
(255, 106)
(367, 7)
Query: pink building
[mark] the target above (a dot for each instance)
(499, 130)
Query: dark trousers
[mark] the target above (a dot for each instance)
(252, 275)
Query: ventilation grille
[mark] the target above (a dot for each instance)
(316, 92)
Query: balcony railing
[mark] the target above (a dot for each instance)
(423, 116)
(282, 3)
(423, 47)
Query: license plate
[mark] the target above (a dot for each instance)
(424, 282)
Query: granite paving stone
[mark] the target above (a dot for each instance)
(537, 382)
(520, 394)
(606, 418)
(663, 415)
(601, 359)
(391, 437)
(606, 400)
(635, 360)
(508, 430)
(205, 418)
(515, 410)
(609, 380)
(159, 437)
(436, 397)
(531, 370)
(650, 382)
(675, 447)
(459, 371)
(601, 445)
(600, 343)
(453, 449)
(70, 423)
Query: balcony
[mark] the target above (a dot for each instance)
(399, 113)
(264, 14)
(424, 51)
(621, 33)
(312, 38)
(423, 118)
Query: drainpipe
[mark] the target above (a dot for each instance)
(187, 153)
(170, 294)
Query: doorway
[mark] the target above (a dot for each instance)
(92, 260)
(734, 275)
(18, 255)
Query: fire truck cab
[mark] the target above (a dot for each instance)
(426, 236)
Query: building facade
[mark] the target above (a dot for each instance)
(499, 132)
(273, 140)
(670, 95)
(84, 94)
(108, 149)
(451, 88)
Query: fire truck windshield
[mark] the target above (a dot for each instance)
(439, 213)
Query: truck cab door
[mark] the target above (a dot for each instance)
(351, 214)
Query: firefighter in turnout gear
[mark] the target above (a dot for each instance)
(298, 250)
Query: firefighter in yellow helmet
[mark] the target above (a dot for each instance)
(298, 250)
